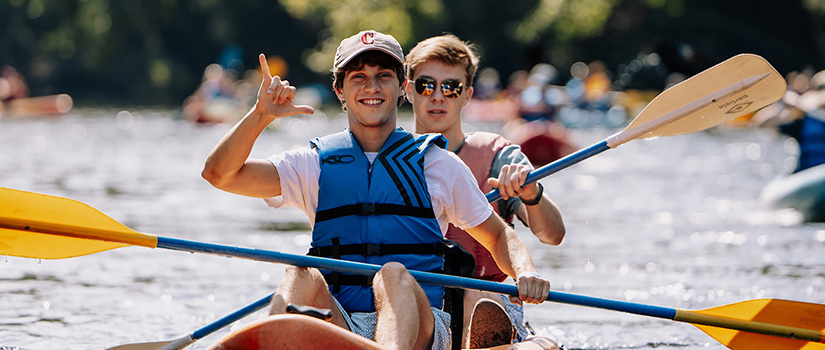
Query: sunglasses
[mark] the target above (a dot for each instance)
(451, 88)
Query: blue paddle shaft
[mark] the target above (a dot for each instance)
(421, 277)
(560, 164)
(229, 319)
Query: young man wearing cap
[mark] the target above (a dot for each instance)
(440, 73)
(374, 194)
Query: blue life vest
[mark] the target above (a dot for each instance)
(811, 143)
(376, 216)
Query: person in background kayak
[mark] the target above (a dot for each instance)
(440, 73)
(370, 188)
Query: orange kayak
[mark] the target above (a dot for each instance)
(38, 106)
(288, 331)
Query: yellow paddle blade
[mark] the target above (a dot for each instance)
(740, 85)
(787, 318)
(34, 225)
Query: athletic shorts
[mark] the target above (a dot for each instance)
(363, 324)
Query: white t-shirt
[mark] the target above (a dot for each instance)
(453, 190)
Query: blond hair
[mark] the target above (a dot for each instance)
(448, 49)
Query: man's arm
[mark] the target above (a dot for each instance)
(228, 167)
(512, 257)
(543, 218)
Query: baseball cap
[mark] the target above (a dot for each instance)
(365, 41)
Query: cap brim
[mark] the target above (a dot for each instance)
(370, 48)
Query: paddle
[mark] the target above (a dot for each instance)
(46, 227)
(190, 338)
(740, 85)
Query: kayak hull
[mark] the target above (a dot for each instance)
(803, 191)
(290, 331)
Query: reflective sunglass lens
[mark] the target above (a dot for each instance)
(452, 88)
(426, 86)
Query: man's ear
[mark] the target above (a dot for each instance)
(340, 94)
(469, 96)
(407, 90)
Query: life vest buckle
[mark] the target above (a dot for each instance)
(366, 209)
(372, 249)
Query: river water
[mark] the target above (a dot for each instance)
(673, 222)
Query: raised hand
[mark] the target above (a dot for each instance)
(275, 95)
(511, 179)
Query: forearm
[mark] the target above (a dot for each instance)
(512, 256)
(227, 159)
(507, 249)
(544, 220)
(536, 209)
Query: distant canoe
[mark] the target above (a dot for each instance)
(803, 191)
(286, 332)
(541, 141)
(38, 106)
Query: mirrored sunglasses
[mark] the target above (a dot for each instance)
(451, 88)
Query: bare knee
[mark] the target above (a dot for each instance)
(391, 273)
(300, 285)
(394, 283)
(303, 277)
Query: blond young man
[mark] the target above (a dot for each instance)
(372, 184)
(440, 73)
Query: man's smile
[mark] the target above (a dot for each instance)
(372, 101)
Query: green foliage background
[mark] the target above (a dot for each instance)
(145, 52)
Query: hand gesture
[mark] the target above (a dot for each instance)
(275, 95)
(511, 179)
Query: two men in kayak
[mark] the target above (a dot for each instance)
(370, 186)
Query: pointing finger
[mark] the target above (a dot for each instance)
(265, 82)
(264, 65)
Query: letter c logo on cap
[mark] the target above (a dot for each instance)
(368, 38)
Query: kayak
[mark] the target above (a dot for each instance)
(38, 106)
(541, 141)
(803, 191)
(292, 331)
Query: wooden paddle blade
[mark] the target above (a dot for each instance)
(34, 225)
(802, 320)
(740, 85)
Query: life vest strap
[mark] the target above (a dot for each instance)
(337, 279)
(373, 249)
(373, 209)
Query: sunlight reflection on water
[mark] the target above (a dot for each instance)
(673, 221)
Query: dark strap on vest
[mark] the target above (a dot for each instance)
(457, 262)
(372, 249)
(373, 209)
(338, 279)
